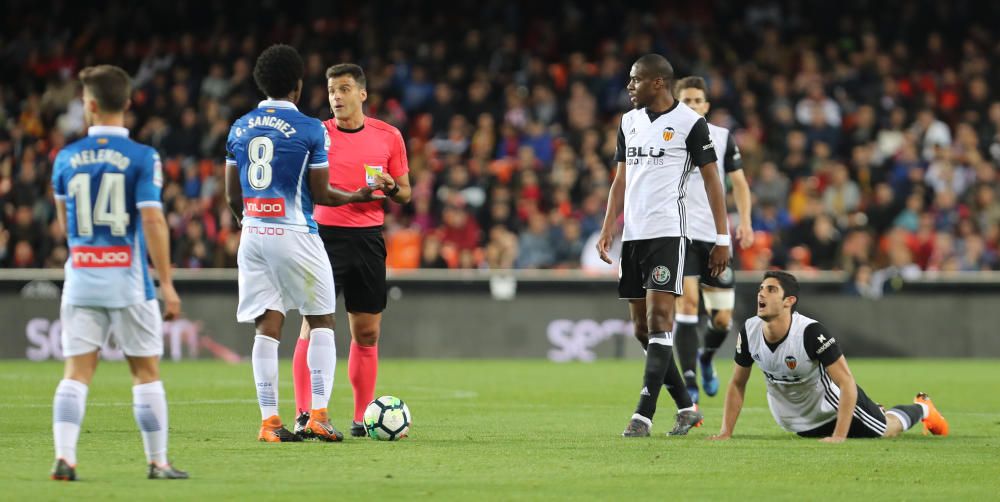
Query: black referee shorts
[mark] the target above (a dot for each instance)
(357, 256)
(651, 264)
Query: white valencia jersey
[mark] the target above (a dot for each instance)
(800, 394)
(660, 150)
(700, 223)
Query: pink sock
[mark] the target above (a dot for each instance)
(301, 377)
(362, 368)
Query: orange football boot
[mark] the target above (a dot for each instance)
(319, 426)
(271, 431)
(935, 422)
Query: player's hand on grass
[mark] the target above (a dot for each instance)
(604, 246)
(720, 437)
(171, 302)
(718, 259)
(367, 194)
(744, 234)
(832, 439)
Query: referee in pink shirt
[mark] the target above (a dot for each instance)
(361, 149)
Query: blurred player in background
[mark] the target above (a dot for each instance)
(362, 151)
(717, 291)
(810, 389)
(276, 169)
(660, 143)
(107, 190)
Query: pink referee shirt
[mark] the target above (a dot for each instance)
(379, 146)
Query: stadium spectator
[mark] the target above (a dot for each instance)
(867, 124)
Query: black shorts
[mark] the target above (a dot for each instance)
(868, 421)
(651, 264)
(696, 264)
(357, 256)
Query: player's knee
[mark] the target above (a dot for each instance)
(320, 321)
(659, 320)
(365, 336)
(641, 332)
(688, 305)
(722, 319)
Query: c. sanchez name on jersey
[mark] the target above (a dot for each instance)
(800, 394)
(701, 225)
(660, 150)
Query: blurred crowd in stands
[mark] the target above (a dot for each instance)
(870, 132)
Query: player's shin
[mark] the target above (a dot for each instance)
(68, 407)
(322, 360)
(265, 374)
(149, 405)
(659, 359)
(686, 345)
(301, 376)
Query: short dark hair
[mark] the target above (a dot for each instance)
(693, 82)
(110, 86)
(278, 70)
(656, 66)
(351, 69)
(789, 284)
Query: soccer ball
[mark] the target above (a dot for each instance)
(387, 419)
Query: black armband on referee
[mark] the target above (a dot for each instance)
(393, 192)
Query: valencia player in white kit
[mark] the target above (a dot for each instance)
(810, 389)
(276, 170)
(660, 143)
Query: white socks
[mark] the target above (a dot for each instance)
(322, 361)
(265, 374)
(149, 404)
(67, 414)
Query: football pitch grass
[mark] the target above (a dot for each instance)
(487, 429)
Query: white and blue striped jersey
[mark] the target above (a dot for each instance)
(104, 179)
(274, 146)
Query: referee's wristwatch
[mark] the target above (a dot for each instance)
(393, 191)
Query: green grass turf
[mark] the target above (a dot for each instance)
(500, 430)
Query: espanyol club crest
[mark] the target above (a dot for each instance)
(668, 133)
(661, 275)
(791, 362)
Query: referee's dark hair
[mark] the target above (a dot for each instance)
(278, 70)
(789, 284)
(693, 82)
(656, 66)
(351, 69)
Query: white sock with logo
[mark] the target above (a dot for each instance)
(322, 361)
(68, 407)
(149, 405)
(264, 358)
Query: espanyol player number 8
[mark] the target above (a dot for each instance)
(261, 151)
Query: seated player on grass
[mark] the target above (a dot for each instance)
(810, 389)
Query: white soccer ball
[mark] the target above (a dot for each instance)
(387, 419)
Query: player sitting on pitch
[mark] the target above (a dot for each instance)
(810, 389)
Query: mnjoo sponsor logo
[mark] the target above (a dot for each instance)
(265, 230)
(101, 256)
(660, 275)
(265, 208)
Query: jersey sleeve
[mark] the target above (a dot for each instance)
(398, 164)
(743, 357)
(733, 159)
(820, 345)
(318, 150)
(699, 144)
(620, 149)
(149, 182)
(230, 146)
(58, 168)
